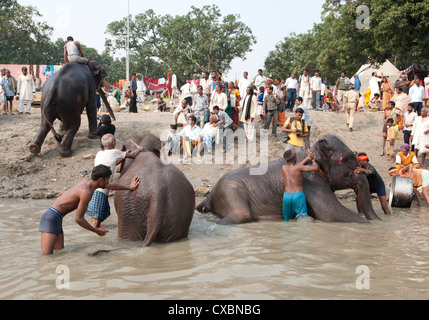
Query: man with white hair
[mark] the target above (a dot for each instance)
(99, 208)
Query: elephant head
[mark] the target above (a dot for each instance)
(337, 164)
(148, 141)
(99, 81)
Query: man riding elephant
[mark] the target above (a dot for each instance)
(72, 49)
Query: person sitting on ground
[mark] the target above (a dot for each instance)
(173, 141)
(333, 103)
(406, 158)
(375, 103)
(420, 178)
(208, 135)
(190, 135)
(105, 126)
(98, 207)
(376, 183)
(76, 198)
(294, 201)
(161, 103)
(182, 108)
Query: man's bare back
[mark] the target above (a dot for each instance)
(292, 174)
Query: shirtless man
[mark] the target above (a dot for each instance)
(294, 202)
(77, 198)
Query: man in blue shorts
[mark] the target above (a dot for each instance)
(76, 198)
(294, 202)
(376, 183)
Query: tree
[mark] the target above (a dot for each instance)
(23, 40)
(199, 41)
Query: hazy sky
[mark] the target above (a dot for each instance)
(86, 21)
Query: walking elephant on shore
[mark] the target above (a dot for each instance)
(162, 208)
(240, 197)
(65, 96)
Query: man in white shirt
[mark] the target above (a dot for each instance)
(190, 135)
(374, 84)
(98, 207)
(416, 93)
(244, 83)
(186, 93)
(409, 117)
(316, 89)
(260, 79)
(304, 87)
(25, 90)
(292, 90)
(141, 90)
(195, 82)
(208, 135)
(207, 85)
(182, 108)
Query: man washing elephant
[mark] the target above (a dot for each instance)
(294, 201)
(98, 207)
(76, 198)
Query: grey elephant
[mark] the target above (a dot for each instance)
(65, 96)
(162, 208)
(240, 197)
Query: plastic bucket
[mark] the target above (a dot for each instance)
(401, 192)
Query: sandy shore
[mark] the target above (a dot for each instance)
(48, 175)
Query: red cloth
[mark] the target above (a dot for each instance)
(152, 84)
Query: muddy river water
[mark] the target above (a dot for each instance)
(259, 261)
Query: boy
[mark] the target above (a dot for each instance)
(389, 139)
(76, 198)
(376, 183)
(294, 202)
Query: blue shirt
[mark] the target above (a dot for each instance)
(5, 83)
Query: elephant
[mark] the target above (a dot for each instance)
(240, 197)
(65, 96)
(162, 208)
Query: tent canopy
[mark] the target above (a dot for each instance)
(365, 74)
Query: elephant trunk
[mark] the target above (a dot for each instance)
(109, 108)
(364, 197)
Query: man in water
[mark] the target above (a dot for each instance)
(294, 202)
(77, 198)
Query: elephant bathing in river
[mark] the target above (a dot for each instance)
(162, 208)
(65, 95)
(240, 197)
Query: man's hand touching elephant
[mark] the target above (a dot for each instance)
(135, 183)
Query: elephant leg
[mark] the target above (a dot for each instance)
(91, 112)
(70, 132)
(234, 208)
(45, 127)
(364, 197)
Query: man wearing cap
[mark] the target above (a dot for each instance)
(376, 183)
(406, 158)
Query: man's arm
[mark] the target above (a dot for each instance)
(79, 48)
(132, 187)
(80, 215)
(134, 154)
(65, 55)
(313, 168)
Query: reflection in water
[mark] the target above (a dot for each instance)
(265, 261)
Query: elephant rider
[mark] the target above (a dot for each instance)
(376, 183)
(76, 198)
(98, 207)
(294, 201)
(72, 50)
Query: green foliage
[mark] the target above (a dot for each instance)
(397, 31)
(201, 40)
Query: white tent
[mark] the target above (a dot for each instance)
(365, 74)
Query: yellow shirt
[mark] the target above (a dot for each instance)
(294, 139)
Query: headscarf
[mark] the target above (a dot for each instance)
(406, 146)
